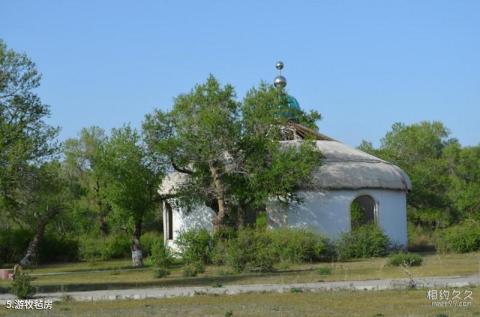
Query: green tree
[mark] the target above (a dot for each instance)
(25, 138)
(231, 151)
(419, 150)
(83, 157)
(132, 182)
(45, 195)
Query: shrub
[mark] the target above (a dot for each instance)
(116, 247)
(22, 287)
(419, 239)
(298, 245)
(409, 259)
(262, 221)
(13, 243)
(461, 238)
(90, 248)
(195, 246)
(161, 272)
(56, 248)
(251, 250)
(324, 270)
(161, 254)
(193, 269)
(147, 240)
(365, 241)
(219, 252)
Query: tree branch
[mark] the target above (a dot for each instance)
(180, 169)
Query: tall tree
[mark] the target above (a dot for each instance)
(231, 151)
(83, 157)
(27, 143)
(45, 195)
(132, 182)
(25, 138)
(419, 150)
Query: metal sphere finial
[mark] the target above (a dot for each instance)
(279, 65)
(280, 81)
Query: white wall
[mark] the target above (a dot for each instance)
(183, 220)
(328, 212)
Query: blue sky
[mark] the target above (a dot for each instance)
(363, 64)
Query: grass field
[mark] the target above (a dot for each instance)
(333, 303)
(118, 274)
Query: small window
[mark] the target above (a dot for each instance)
(362, 211)
(169, 220)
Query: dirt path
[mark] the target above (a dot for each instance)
(142, 293)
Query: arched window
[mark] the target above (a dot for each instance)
(362, 211)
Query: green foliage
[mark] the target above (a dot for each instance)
(298, 245)
(195, 246)
(55, 248)
(148, 240)
(420, 238)
(90, 248)
(262, 221)
(251, 251)
(230, 150)
(161, 272)
(324, 270)
(445, 177)
(22, 286)
(192, 269)
(25, 136)
(366, 241)
(83, 161)
(408, 259)
(116, 246)
(13, 243)
(461, 238)
(161, 254)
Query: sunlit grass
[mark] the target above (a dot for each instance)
(119, 273)
(343, 303)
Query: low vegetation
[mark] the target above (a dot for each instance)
(342, 303)
(363, 242)
(22, 286)
(461, 238)
(406, 259)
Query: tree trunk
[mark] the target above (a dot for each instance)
(137, 255)
(37, 238)
(102, 213)
(219, 188)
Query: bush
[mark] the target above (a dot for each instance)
(298, 245)
(116, 247)
(13, 243)
(22, 286)
(90, 248)
(409, 259)
(195, 246)
(324, 270)
(193, 269)
(461, 238)
(365, 241)
(54, 249)
(147, 240)
(251, 250)
(161, 254)
(161, 272)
